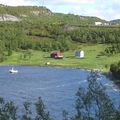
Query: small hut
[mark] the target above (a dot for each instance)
(79, 54)
(56, 54)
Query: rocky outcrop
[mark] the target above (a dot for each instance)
(7, 17)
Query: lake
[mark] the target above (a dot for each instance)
(57, 86)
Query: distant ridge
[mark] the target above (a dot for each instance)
(116, 20)
(43, 14)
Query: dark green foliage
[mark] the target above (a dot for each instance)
(63, 43)
(40, 109)
(115, 69)
(95, 35)
(93, 103)
(7, 110)
(102, 35)
(65, 115)
(27, 112)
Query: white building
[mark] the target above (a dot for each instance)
(98, 23)
(102, 23)
(79, 54)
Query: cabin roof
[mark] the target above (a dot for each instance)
(55, 51)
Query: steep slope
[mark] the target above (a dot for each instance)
(20, 12)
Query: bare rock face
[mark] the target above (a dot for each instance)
(7, 17)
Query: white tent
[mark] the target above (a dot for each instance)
(79, 54)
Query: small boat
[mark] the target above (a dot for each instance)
(13, 71)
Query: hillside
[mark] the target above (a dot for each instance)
(44, 15)
(39, 28)
(24, 29)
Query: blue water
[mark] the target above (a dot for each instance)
(56, 86)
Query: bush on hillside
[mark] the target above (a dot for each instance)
(115, 69)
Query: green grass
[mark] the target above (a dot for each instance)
(92, 59)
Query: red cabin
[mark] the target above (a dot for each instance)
(56, 54)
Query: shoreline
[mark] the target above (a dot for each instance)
(61, 66)
(105, 73)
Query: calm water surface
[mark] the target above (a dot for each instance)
(56, 86)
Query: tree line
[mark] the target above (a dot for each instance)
(98, 35)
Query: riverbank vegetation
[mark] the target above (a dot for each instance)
(92, 103)
(115, 70)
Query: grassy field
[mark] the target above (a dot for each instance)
(92, 60)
